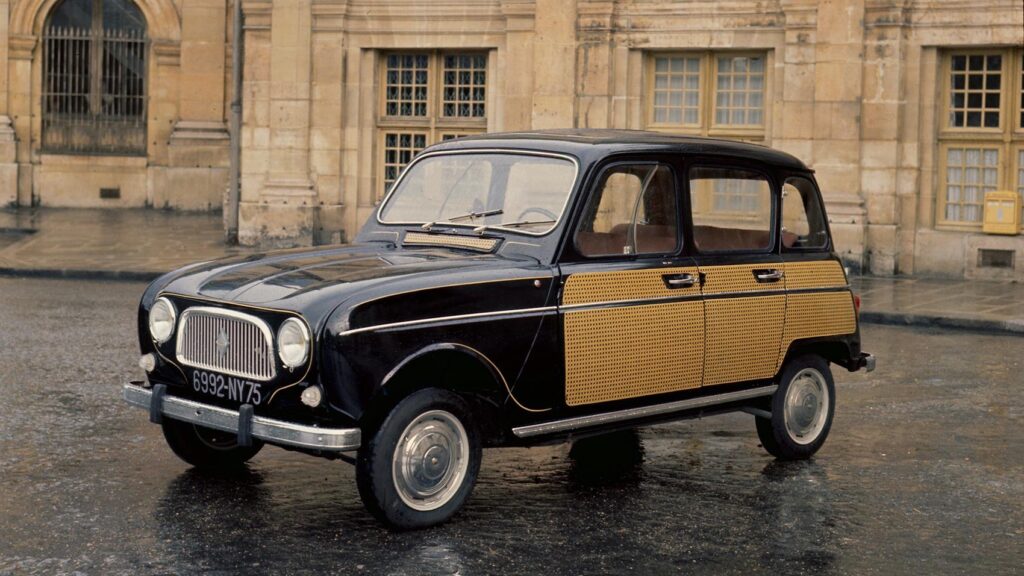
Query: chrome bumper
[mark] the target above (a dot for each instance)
(867, 361)
(268, 429)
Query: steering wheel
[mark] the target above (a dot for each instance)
(542, 211)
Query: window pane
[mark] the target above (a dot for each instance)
(406, 77)
(465, 85)
(522, 191)
(739, 97)
(732, 209)
(676, 89)
(970, 172)
(803, 223)
(1020, 182)
(399, 149)
(633, 211)
(974, 93)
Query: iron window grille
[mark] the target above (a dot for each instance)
(94, 79)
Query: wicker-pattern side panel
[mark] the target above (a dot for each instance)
(421, 239)
(590, 287)
(817, 314)
(737, 278)
(619, 353)
(820, 274)
(743, 338)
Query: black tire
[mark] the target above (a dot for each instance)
(207, 448)
(777, 436)
(378, 480)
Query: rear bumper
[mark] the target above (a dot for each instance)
(243, 422)
(867, 362)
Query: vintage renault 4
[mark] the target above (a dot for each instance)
(514, 289)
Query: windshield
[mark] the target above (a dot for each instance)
(518, 192)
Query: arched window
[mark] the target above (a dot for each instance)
(94, 78)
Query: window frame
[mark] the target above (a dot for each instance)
(774, 198)
(707, 102)
(591, 190)
(1007, 139)
(434, 125)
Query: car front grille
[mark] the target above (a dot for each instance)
(226, 341)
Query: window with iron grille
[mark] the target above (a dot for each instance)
(427, 97)
(94, 78)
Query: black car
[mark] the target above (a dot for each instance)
(514, 289)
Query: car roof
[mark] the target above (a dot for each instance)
(590, 142)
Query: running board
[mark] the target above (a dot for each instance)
(592, 420)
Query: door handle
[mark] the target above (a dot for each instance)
(772, 275)
(679, 280)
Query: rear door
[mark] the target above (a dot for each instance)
(631, 307)
(732, 210)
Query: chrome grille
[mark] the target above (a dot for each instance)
(226, 341)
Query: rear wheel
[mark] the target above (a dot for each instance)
(801, 410)
(205, 447)
(420, 465)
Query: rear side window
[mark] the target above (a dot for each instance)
(803, 221)
(732, 209)
(632, 211)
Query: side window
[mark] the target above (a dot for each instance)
(732, 209)
(632, 211)
(803, 222)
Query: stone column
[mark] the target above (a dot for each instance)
(554, 63)
(518, 95)
(837, 88)
(286, 213)
(197, 155)
(595, 63)
(8, 143)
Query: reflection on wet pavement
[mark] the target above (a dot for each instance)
(923, 474)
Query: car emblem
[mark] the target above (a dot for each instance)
(222, 343)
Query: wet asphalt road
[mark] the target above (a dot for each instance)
(923, 474)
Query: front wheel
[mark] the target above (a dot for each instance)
(801, 410)
(207, 448)
(420, 465)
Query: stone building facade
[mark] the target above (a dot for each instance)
(908, 110)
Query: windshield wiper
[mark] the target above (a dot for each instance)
(485, 227)
(469, 215)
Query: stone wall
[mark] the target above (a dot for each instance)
(853, 88)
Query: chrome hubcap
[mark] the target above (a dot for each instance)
(431, 460)
(806, 407)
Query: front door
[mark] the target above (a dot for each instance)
(631, 306)
(732, 212)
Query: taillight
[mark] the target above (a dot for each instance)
(856, 304)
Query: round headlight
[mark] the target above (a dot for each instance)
(161, 320)
(293, 342)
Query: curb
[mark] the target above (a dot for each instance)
(72, 274)
(929, 321)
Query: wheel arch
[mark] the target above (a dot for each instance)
(834, 350)
(449, 366)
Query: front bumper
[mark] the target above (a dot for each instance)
(243, 422)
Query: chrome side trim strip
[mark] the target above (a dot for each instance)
(591, 420)
(632, 302)
(269, 429)
(478, 315)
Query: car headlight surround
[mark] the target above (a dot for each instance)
(162, 319)
(293, 342)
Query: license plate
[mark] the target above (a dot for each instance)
(227, 387)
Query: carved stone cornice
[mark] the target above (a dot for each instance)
(519, 15)
(257, 14)
(329, 15)
(167, 53)
(800, 14)
(21, 46)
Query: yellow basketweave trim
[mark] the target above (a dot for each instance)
(423, 239)
(593, 287)
(743, 332)
(629, 351)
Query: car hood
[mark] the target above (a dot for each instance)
(305, 279)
